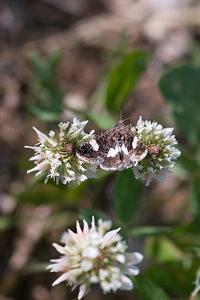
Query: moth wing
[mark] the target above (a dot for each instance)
(89, 152)
(111, 163)
(139, 151)
(135, 157)
(113, 159)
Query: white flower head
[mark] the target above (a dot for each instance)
(95, 255)
(57, 155)
(162, 152)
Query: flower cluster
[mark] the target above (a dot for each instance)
(95, 255)
(57, 156)
(161, 151)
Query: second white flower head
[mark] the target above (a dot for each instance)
(57, 155)
(162, 152)
(95, 255)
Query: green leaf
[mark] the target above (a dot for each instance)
(123, 78)
(46, 96)
(148, 290)
(45, 67)
(171, 276)
(186, 239)
(194, 250)
(150, 230)
(160, 230)
(39, 65)
(87, 214)
(195, 200)
(181, 90)
(102, 121)
(187, 160)
(126, 195)
(163, 250)
(43, 113)
(54, 59)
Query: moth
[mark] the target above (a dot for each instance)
(117, 148)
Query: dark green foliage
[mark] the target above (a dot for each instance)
(195, 200)
(148, 290)
(123, 78)
(47, 96)
(181, 90)
(126, 195)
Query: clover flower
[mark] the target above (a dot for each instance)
(93, 256)
(57, 156)
(161, 151)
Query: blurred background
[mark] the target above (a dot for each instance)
(61, 59)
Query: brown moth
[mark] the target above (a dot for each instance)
(117, 148)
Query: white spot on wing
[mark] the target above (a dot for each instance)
(134, 143)
(112, 152)
(124, 149)
(94, 144)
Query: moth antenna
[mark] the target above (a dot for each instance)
(129, 118)
(132, 118)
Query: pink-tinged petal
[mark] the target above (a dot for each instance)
(57, 267)
(55, 260)
(43, 137)
(34, 169)
(127, 284)
(57, 263)
(60, 279)
(38, 173)
(93, 226)
(73, 235)
(109, 235)
(51, 267)
(32, 148)
(36, 157)
(133, 258)
(82, 291)
(78, 228)
(59, 248)
(40, 167)
(69, 250)
(65, 237)
(85, 228)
